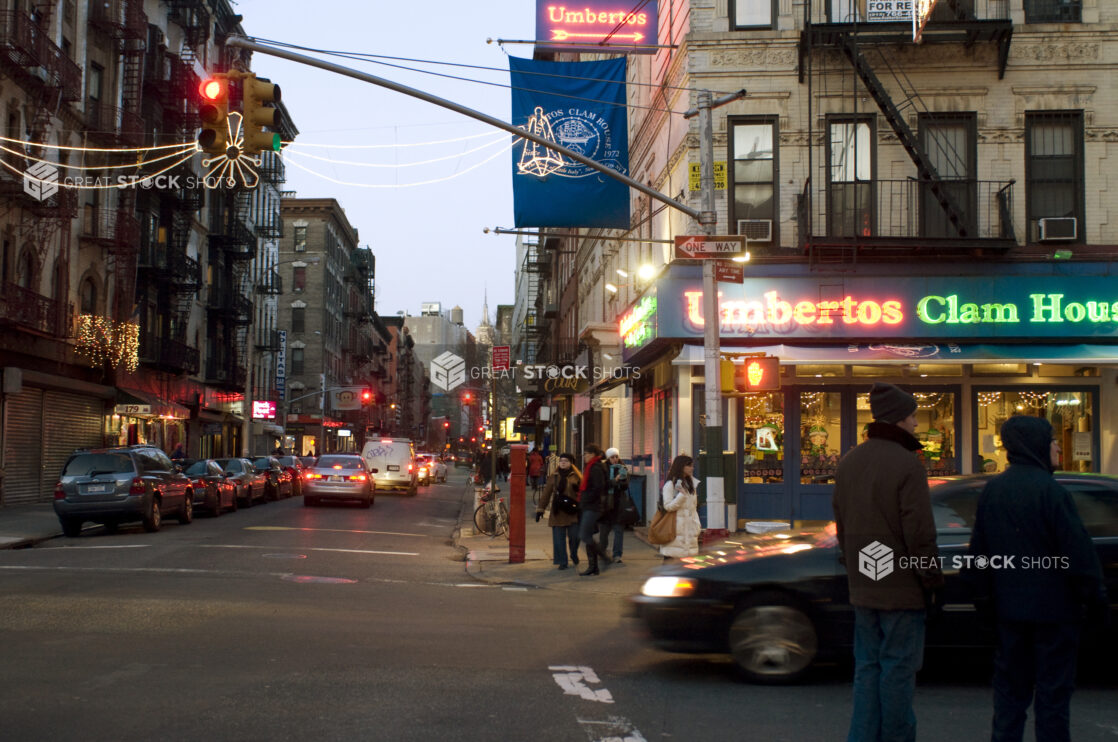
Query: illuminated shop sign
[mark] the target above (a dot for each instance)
(263, 410)
(638, 326)
(590, 25)
(1022, 307)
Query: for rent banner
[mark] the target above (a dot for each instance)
(580, 105)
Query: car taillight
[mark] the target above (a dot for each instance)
(58, 493)
(312, 475)
(358, 478)
(137, 487)
(410, 467)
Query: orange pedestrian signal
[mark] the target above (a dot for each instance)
(758, 375)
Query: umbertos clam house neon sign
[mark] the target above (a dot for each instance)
(775, 314)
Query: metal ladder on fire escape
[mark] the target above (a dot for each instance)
(926, 171)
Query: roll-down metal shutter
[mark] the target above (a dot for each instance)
(23, 450)
(70, 421)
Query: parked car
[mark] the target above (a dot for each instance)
(778, 602)
(213, 490)
(251, 484)
(463, 461)
(294, 466)
(117, 485)
(393, 460)
(308, 461)
(339, 477)
(278, 479)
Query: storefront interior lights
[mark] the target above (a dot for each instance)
(623, 274)
(611, 288)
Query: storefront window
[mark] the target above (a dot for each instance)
(820, 433)
(764, 438)
(1070, 415)
(935, 428)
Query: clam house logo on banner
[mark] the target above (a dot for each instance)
(581, 106)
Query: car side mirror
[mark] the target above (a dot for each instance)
(373, 471)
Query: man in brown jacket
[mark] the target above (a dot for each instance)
(887, 540)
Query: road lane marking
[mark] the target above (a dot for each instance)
(336, 530)
(614, 729)
(313, 548)
(573, 680)
(112, 546)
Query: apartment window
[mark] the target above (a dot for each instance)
(96, 76)
(1054, 167)
(1053, 11)
(88, 297)
(850, 196)
(299, 319)
(299, 278)
(297, 362)
(300, 239)
(752, 13)
(754, 174)
(950, 141)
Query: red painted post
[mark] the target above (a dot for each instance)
(518, 470)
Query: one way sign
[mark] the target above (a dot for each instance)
(701, 246)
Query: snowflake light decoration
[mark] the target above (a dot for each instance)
(226, 169)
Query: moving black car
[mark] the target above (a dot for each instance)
(779, 602)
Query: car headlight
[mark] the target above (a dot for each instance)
(668, 587)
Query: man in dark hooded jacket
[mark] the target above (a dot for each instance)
(1047, 577)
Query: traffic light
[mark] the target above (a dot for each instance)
(467, 397)
(366, 396)
(445, 425)
(257, 115)
(214, 112)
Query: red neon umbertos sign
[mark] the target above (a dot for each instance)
(777, 312)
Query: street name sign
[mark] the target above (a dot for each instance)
(704, 247)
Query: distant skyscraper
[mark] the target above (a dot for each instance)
(486, 334)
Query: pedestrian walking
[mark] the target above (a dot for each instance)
(564, 525)
(592, 492)
(679, 495)
(617, 490)
(535, 468)
(882, 509)
(1026, 518)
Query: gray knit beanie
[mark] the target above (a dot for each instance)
(890, 404)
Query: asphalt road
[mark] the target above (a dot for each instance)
(336, 623)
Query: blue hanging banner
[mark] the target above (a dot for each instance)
(580, 105)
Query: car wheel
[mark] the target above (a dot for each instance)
(233, 502)
(247, 496)
(772, 640)
(270, 494)
(215, 508)
(71, 527)
(186, 514)
(153, 520)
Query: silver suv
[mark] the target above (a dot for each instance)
(118, 485)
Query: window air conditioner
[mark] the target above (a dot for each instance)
(756, 230)
(1058, 228)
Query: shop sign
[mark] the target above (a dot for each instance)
(281, 365)
(1081, 446)
(638, 325)
(596, 26)
(263, 409)
(132, 409)
(996, 306)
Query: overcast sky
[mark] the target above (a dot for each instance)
(427, 239)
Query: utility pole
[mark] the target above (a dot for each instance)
(712, 320)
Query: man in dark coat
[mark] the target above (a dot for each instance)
(887, 539)
(1047, 577)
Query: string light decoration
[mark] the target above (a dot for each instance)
(104, 342)
(927, 400)
(985, 399)
(226, 169)
(809, 400)
(536, 159)
(1036, 400)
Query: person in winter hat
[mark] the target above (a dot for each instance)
(564, 526)
(882, 509)
(617, 487)
(1024, 515)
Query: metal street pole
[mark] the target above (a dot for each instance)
(243, 43)
(716, 492)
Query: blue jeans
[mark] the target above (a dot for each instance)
(888, 651)
(561, 538)
(618, 532)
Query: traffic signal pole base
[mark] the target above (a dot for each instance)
(518, 481)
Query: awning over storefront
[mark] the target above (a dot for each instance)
(527, 416)
(142, 404)
(896, 353)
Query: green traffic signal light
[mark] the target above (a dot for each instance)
(257, 115)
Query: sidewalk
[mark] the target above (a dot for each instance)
(26, 525)
(487, 558)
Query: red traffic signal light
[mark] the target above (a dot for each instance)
(446, 425)
(214, 112)
(466, 397)
(214, 89)
(366, 396)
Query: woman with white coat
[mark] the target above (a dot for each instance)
(679, 496)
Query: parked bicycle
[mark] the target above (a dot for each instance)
(492, 515)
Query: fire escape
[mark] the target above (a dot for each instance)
(938, 208)
(50, 79)
(536, 269)
(232, 245)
